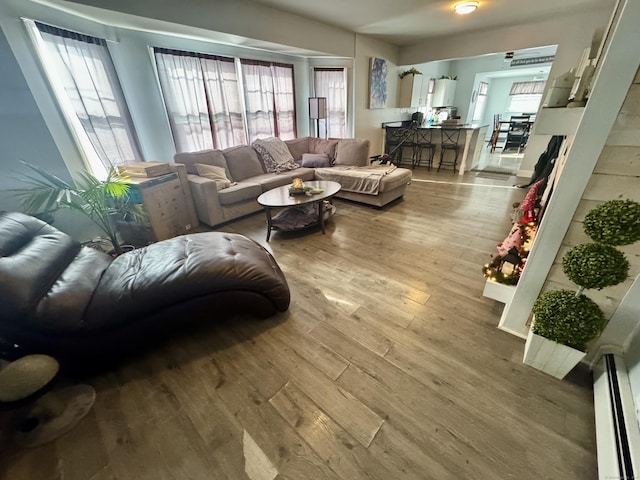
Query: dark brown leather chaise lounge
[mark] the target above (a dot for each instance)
(64, 300)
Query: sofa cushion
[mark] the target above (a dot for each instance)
(269, 181)
(241, 191)
(217, 174)
(243, 162)
(297, 147)
(306, 174)
(205, 157)
(353, 152)
(275, 154)
(315, 160)
(321, 145)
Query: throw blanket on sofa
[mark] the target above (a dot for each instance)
(356, 179)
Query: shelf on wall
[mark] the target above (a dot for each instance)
(499, 291)
(558, 121)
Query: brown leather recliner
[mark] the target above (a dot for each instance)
(61, 299)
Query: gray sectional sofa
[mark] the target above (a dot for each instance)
(248, 175)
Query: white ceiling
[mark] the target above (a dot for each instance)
(404, 22)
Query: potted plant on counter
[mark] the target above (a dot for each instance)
(566, 321)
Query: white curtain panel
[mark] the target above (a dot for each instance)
(83, 66)
(183, 89)
(225, 105)
(269, 100)
(331, 83)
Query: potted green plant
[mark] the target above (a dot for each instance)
(411, 71)
(566, 321)
(101, 201)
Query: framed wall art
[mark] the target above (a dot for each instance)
(378, 83)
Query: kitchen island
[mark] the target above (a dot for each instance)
(472, 137)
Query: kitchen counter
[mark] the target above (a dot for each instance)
(474, 137)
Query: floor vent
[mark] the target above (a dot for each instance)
(617, 432)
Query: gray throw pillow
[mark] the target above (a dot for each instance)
(315, 160)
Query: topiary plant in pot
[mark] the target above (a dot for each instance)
(571, 319)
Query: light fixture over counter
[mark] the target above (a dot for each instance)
(463, 8)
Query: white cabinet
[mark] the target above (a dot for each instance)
(444, 93)
(413, 91)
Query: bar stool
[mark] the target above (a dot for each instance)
(393, 140)
(424, 142)
(450, 141)
(397, 139)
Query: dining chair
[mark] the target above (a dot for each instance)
(518, 133)
(450, 141)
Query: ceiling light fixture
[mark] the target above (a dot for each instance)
(463, 8)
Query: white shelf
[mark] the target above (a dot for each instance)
(557, 121)
(499, 291)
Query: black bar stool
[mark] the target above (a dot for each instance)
(450, 141)
(397, 139)
(424, 142)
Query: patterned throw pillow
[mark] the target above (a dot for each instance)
(275, 154)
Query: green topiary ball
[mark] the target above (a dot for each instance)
(616, 222)
(594, 265)
(568, 319)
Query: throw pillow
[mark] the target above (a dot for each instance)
(323, 145)
(353, 152)
(217, 174)
(315, 160)
(275, 154)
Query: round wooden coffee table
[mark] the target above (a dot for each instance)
(280, 198)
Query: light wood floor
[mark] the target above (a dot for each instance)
(388, 365)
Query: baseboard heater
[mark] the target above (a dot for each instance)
(617, 431)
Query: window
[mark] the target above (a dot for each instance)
(211, 105)
(269, 99)
(525, 96)
(86, 86)
(202, 99)
(483, 90)
(331, 83)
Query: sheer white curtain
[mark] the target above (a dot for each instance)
(225, 105)
(331, 83)
(285, 100)
(269, 99)
(182, 84)
(82, 70)
(527, 88)
(202, 99)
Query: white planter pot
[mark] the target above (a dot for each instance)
(550, 357)
(499, 291)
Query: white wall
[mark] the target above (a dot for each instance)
(369, 121)
(237, 18)
(570, 32)
(467, 68)
(498, 98)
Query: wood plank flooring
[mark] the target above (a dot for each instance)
(388, 365)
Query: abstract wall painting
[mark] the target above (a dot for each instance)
(378, 83)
